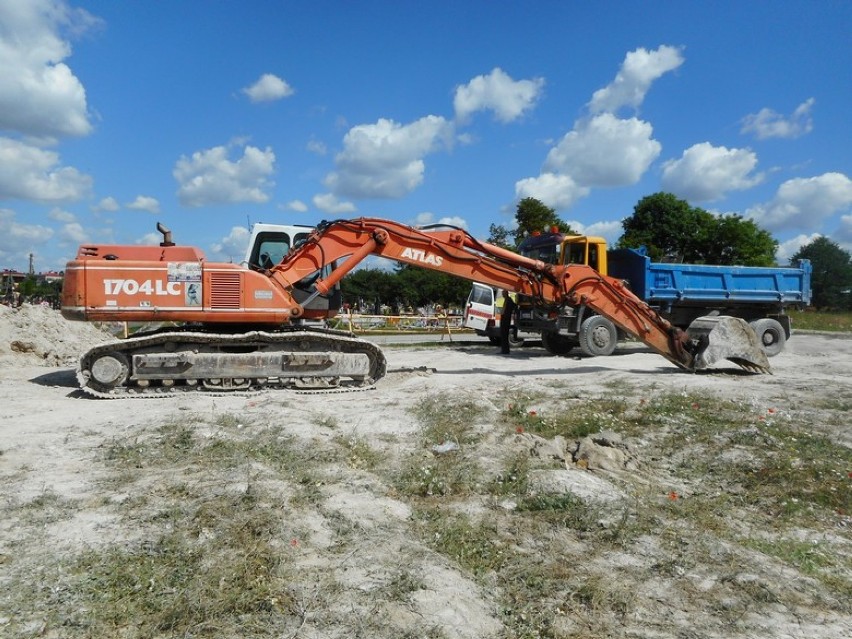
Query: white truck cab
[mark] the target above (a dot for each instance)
(482, 313)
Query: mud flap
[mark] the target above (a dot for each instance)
(721, 337)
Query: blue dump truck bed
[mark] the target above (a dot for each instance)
(665, 284)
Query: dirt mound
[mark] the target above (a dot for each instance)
(40, 335)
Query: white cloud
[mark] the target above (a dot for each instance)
(426, 219)
(317, 147)
(233, 246)
(60, 215)
(385, 159)
(422, 219)
(498, 92)
(268, 88)
(605, 151)
(328, 203)
(30, 173)
(557, 191)
(804, 203)
(639, 69)
(706, 172)
(610, 231)
(454, 220)
(150, 239)
(107, 205)
(209, 177)
(73, 233)
(40, 97)
(296, 205)
(144, 203)
(787, 249)
(18, 240)
(767, 123)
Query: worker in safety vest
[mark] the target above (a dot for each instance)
(509, 305)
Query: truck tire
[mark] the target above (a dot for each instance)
(514, 340)
(556, 344)
(598, 336)
(771, 335)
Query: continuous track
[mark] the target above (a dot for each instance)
(306, 360)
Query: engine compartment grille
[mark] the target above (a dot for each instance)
(226, 290)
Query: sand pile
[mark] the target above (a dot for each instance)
(38, 335)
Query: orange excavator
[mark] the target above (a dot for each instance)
(227, 327)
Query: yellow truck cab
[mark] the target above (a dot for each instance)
(563, 328)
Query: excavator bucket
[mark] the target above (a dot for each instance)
(722, 337)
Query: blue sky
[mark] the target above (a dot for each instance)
(210, 116)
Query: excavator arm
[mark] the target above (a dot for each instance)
(346, 243)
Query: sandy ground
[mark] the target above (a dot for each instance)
(52, 440)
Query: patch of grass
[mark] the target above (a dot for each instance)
(451, 474)
(47, 508)
(822, 320)
(324, 420)
(359, 453)
(514, 479)
(229, 420)
(562, 510)
(446, 417)
(811, 557)
(401, 584)
(573, 420)
(215, 570)
(475, 545)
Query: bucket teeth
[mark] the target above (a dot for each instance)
(721, 337)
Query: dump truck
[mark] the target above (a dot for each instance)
(681, 293)
(241, 327)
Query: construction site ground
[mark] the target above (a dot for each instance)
(445, 502)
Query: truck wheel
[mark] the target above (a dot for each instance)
(771, 335)
(514, 340)
(556, 344)
(598, 336)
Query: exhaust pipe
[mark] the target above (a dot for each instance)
(167, 235)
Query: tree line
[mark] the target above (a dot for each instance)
(669, 228)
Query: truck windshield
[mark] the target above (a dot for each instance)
(548, 253)
(482, 295)
(576, 254)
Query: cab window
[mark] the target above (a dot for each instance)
(271, 249)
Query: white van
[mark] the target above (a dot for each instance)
(482, 313)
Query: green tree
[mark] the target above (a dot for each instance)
(672, 230)
(406, 286)
(499, 235)
(27, 288)
(531, 216)
(831, 279)
(371, 287)
(419, 286)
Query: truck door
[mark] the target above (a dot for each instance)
(480, 307)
